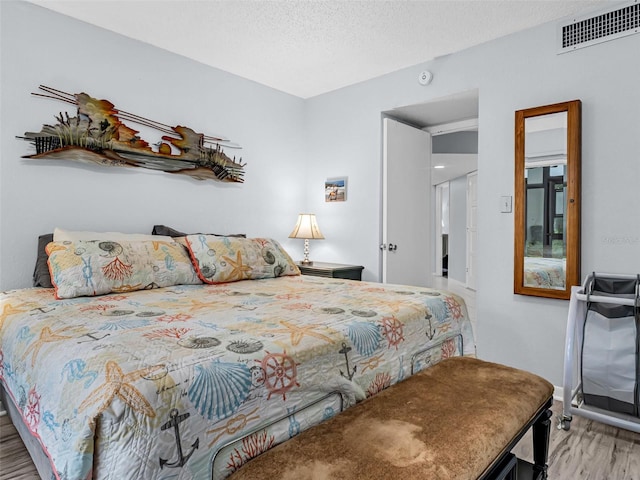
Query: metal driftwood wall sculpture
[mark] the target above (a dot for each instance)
(98, 135)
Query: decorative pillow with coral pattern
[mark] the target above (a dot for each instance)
(228, 259)
(94, 267)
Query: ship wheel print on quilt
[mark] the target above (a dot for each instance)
(280, 373)
(32, 410)
(392, 329)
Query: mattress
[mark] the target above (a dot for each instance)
(191, 381)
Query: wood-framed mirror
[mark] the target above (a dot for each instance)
(547, 200)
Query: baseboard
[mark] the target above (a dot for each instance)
(456, 283)
(558, 393)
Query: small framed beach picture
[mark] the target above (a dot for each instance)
(335, 189)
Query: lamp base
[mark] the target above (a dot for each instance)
(305, 260)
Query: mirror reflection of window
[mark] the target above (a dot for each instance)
(546, 183)
(545, 211)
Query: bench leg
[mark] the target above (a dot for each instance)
(541, 432)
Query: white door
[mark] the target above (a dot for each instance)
(472, 228)
(406, 205)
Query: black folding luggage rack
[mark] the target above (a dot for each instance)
(612, 297)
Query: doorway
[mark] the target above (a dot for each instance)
(442, 230)
(451, 187)
(452, 121)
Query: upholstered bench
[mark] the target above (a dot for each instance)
(457, 420)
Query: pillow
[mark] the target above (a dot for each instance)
(228, 259)
(171, 232)
(41, 277)
(96, 267)
(60, 235)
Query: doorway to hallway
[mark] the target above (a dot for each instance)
(452, 122)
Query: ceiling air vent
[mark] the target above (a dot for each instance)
(610, 24)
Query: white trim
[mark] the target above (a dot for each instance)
(460, 126)
(385, 194)
(471, 237)
(545, 163)
(456, 283)
(438, 229)
(557, 393)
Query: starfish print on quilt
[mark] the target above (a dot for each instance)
(298, 332)
(9, 310)
(118, 384)
(46, 336)
(238, 268)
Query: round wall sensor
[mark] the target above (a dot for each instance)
(425, 77)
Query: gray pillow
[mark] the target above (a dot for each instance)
(41, 275)
(172, 232)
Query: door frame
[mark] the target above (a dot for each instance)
(437, 270)
(470, 263)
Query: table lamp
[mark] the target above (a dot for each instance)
(307, 228)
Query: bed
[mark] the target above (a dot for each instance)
(193, 379)
(543, 272)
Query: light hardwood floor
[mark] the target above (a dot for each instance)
(588, 451)
(15, 462)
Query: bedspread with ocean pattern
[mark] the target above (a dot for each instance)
(150, 384)
(542, 272)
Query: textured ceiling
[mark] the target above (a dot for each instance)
(308, 47)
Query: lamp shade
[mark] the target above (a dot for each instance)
(307, 228)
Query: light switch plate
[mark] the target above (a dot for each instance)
(506, 203)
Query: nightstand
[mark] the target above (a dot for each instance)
(332, 270)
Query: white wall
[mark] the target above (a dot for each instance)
(512, 73)
(292, 146)
(458, 229)
(42, 47)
